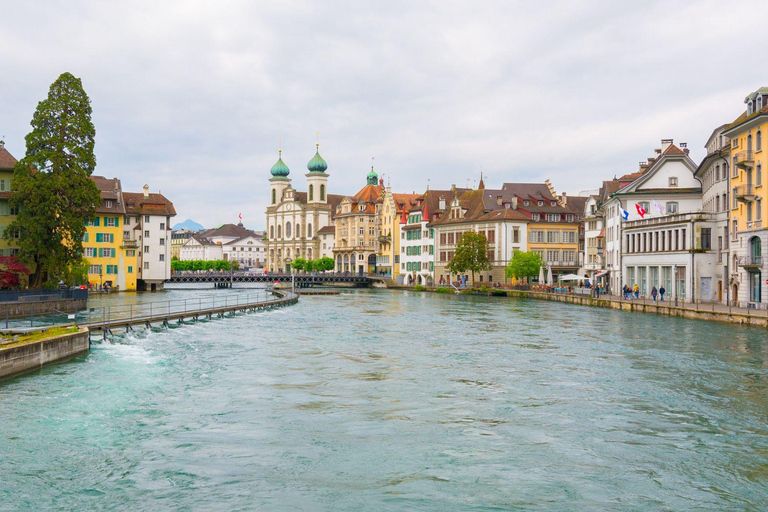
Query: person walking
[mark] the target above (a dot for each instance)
(637, 291)
(661, 293)
(625, 291)
(654, 292)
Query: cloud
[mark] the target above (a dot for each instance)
(192, 97)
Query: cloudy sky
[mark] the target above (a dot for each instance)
(193, 97)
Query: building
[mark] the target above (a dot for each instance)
(484, 211)
(748, 201)
(249, 251)
(7, 214)
(594, 238)
(294, 218)
(417, 237)
(713, 175)
(107, 244)
(179, 238)
(390, 208)
(148, 224)
(327, 236)
(356, 234)
(200, 248)
(553, 227)
(671, 244)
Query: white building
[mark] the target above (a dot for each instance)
(249, 251)
(199, 248)
(594, 235)
(150, 220)
(671, 247)
(714, 177)
(327, 236)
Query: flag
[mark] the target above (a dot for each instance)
(641, 211)
(624, 213)
(658, 207)
(240, 215)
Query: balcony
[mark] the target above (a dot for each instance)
(744, 159)
(755, 224)
(385, 239)
(130, 244)
(745, 193)
(593, 266)
(750, 262)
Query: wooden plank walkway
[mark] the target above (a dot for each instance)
(162, 313)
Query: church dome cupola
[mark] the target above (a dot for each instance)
(317, 164)
(280, 170)
(373, 178)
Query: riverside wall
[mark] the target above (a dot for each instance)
(34, 355)
(22, 309)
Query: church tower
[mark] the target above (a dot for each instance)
(279, 180)
(317, 179)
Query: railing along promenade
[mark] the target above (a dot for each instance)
(300, 279)
(126, 316)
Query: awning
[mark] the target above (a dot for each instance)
(602, 273)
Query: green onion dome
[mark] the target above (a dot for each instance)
(317, 164)
(280, 170)
(373, 178)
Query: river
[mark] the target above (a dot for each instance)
(381, 400)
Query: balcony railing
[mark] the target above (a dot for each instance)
(130, 244)
(755, 224)
(668, 219)
(564, 263)
(593, 266)
(751, 261)
(744, 158)
(745, 193)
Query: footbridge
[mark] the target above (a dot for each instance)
(300, 280)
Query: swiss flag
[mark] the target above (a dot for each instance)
(640, 210)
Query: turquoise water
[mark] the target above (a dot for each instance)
(378, 400)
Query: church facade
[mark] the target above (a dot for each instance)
(295, 218)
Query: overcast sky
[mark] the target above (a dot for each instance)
(192, 97)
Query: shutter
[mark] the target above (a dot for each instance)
(117, 224)
(99, 237)
(96, 221)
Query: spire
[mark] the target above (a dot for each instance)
(481, 185)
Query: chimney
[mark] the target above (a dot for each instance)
(564, 199)
(146, 191)
(499, 201)
(665, 143)
(684, 147)
(643, 166)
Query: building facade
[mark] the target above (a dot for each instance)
(356, 233)
(7, 214)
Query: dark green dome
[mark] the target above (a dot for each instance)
(373, 178)
(280, 170)
(317, 164)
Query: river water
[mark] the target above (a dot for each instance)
(379, 400)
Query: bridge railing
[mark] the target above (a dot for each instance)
(137, 313)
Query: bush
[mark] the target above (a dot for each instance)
(443, 289)
(483, 289)
(419, 288)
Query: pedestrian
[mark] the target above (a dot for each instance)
(624, 291)
(661, 293)
(637, 291)
(654, 292)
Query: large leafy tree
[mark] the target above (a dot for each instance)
(471, 255)
(52, 185)
(324, 264)
(523, 265)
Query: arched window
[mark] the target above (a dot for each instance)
(755, 249)
(749, 142)
(759, 173)
(288, 230)
(309, 230)
(272, 232)
(322, 192)
(759, 142)
(274, 196)
(309, 254)
(279, 231)
(311, 192)
(759, 102)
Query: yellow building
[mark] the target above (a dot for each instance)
(748, 200)
(390, 209)
(7, 215)
(107, 245)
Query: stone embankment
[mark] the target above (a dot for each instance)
(21, 357)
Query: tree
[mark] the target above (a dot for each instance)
(471, 255)
(523, 265)
(11, 270)
(324, 264)
(298, 264)
(75, 273)
(309, 266)
(52, 186)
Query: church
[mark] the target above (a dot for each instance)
(294, 218)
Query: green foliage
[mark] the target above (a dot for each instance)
(52, 185)
(484, 289)
(443, 289)
(324, 264)
(216, 265)
(76, 273)
(523, 265)
(471, 255)
(309, 266)
(299, 264)
(11, 272)
(419, 288)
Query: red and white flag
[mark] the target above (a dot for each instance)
(640, 210)
(240, 215)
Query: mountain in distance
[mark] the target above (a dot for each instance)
(188, 224)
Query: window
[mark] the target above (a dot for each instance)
(706, 238)
(671, 208)
(541, 203)
(146, 218)
(146, 265)
(274, 196)
(5, 185)
(108, 204)
(94, 269)
(130, 269)
(162, 225)
(759, 176)
(126, 221)
(322, 192)
(85, 236)
(146, 248)
(673, 181)
(526, 202)
(90, 252)
(759, 138)
(162, 257)
(311, 192)
(569, 217)
(717, 203)
(647, 206)
(536, 217)
(110, 221)
(162, 241)
(146, 234)
(758, 209)
(13, 210)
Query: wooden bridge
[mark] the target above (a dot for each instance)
(300, 280)
(108, 318)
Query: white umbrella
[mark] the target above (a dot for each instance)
(549, 276)
(541, 275)
(572, 277)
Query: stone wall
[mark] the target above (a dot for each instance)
(32, 356)
(22, 309)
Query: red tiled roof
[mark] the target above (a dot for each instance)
(7, 161)
(155, 204)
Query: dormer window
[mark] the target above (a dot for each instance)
(672, 181)
(554, 203)
(541, 203)
(536, 217)
(759, 102)
(526, 202)
(749, 107)
(108, 203)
